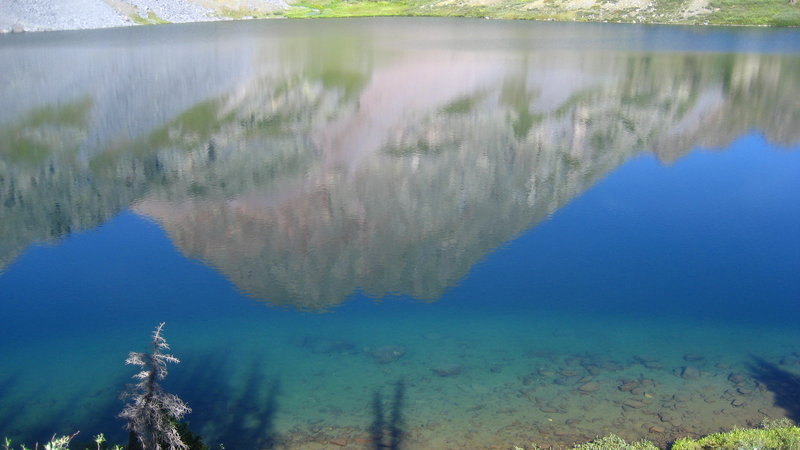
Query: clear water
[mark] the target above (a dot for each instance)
(414, 233)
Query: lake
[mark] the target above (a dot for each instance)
(405, 233)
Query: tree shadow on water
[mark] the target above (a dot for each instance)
(388, 433)
(36, 415)
(239, 415)
(7, 409)
(783, 384)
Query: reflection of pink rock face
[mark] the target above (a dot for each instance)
(403, 93)
(399, 186)
(405, 194)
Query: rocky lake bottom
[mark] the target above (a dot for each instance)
(441, 381)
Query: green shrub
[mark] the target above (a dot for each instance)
(777, 434)
(614, 442)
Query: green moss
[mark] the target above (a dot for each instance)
(72, 114)
(461, 105)
(151, 19)
(339, 64)
(350, 82)
(195, 125)
(340, 8)
(754, 12)
(779, 434)
(232, 13)
(44, 132)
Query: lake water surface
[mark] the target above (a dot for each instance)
(404, 233)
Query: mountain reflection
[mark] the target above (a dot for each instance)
(306, 169)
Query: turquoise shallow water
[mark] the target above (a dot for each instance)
(418, 242)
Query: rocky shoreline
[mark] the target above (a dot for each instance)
(43, 15)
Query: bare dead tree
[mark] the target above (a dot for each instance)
(152, 413)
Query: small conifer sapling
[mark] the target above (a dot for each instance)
(150, 412)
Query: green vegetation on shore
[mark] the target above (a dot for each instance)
(151, 19)
(778, 434)
(708, 12)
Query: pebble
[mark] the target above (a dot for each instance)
(627, 387)
(589, 387)
(737, 403)
(665, 417)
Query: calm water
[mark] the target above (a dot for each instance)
(413, 233)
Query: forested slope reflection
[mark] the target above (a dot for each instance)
(344, 166)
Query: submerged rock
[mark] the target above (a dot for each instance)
(681, 398)
(565, 381)
(738, 402)
(589, 387)
(690, 373)
(693, 357)
(635, 404)
(612, 366)
(388, 354)
(593, 370)
(448, 370)
(737, 378)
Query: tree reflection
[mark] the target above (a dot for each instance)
(386, 171)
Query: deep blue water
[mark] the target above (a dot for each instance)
(511, 233)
